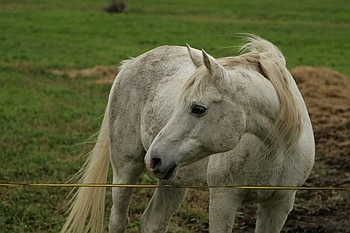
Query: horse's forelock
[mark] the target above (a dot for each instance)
(194, 85)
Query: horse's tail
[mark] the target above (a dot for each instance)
(88, 203)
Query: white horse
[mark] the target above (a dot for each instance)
(193, 119)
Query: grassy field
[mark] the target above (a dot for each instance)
(44, 117)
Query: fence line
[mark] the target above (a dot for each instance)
(175, 186)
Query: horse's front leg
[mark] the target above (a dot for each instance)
(166, 201)
(273, 213)
(127, 164)
(224, 204)
(163, 205)
(122, 197)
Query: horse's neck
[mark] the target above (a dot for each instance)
(260, 102)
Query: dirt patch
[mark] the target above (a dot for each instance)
(327, 96)
(102, 74)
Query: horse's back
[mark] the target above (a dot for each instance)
(146, 89)
(144, 72)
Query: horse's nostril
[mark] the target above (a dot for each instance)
(156, 163)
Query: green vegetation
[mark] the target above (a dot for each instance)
(44, 118)
(80, 35)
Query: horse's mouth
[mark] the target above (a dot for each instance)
(170, 173)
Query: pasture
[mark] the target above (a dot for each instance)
(46, 116)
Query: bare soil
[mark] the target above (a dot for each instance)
(327, 96)
(102, 74)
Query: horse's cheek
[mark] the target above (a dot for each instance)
(223, 137)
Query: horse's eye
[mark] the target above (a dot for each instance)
(198, 110)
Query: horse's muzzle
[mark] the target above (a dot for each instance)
(159, 170)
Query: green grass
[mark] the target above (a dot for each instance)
(45, 117)
(80, 35)
(42, 120)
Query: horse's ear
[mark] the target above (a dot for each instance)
(213, 66)
(195, 56)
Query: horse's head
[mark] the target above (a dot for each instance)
(205, 121)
